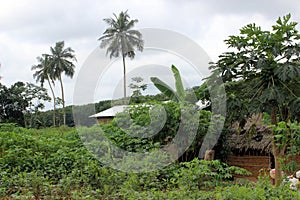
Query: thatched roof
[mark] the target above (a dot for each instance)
(260, 142)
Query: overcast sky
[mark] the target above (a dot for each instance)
(29, 27)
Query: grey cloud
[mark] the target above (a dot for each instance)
(29, 27)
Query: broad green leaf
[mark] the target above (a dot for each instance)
(164, 88)
(178, 83)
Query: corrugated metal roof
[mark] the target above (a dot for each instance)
(111, 112)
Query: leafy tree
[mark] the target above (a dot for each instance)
(120, 38)
(137, 85)
(262, 74)
(43, 72)
(34, 95)
(13, 104)
(21, 102)
(61, 62)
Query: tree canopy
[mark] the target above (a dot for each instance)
(262, 72)
(121, 39)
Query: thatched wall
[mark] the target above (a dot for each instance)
(251, 151)
(257, 143)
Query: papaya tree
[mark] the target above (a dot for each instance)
(137, 86)
(261, 73)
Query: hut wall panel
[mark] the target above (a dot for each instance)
(104, 120)
(254, 164)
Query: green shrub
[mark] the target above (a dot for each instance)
(54, 164)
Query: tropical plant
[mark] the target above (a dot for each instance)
(34, 95)
(262, 74)
(137, 86)
(43, 72)
(53, 163)
(12, 103)
(61, 62)
(180, 95)
(121, 39)
(21, 103)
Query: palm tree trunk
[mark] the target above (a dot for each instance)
(54, 103)
(63, 99)
(124, 76)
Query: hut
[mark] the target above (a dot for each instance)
(106, 116)
(251, 151)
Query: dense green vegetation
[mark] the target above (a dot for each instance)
(53, 164)
(260, 75)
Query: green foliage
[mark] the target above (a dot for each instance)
(204, 175)
(137, 86)
(21, 103)
(61, 62)
(147, 126)
(53, 164)
(284, 132)
(261, 190)
(43, 72)
(287, 136)
(262, 72)
(180, 95)
(121, 39)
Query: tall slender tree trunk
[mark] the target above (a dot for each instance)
(124, 75)
(278, 151)
(54, 102)
(63, 99)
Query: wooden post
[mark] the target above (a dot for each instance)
(209, 155)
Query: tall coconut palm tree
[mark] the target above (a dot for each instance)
(61, 62)
(121, 39)
(43, 72)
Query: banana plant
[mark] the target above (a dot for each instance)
(179, 95)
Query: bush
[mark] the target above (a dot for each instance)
(262, 190)
(54, 164)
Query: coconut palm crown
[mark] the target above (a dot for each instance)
(121, 40)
